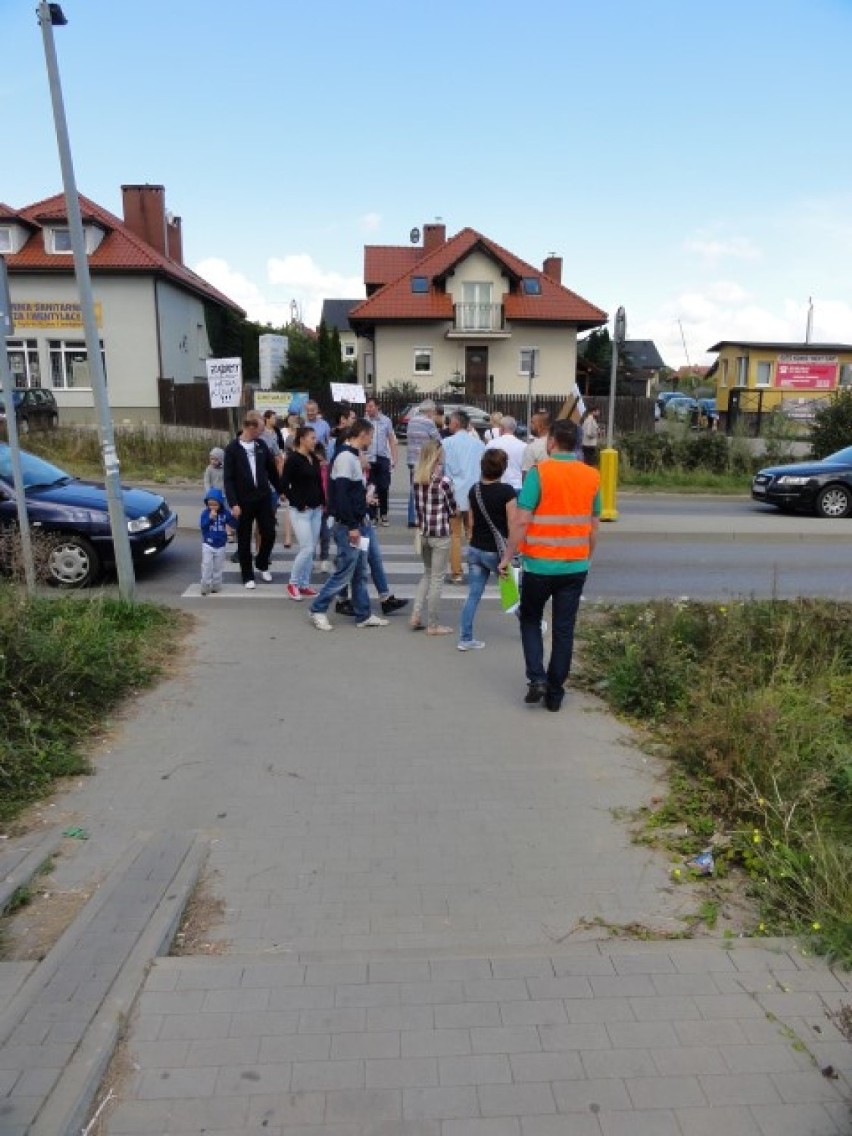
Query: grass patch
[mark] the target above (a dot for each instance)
(65, 663)
(754, 703)
(149, 454)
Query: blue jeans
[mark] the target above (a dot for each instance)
(349, 568)
(306, 527)
(377, 567)
(565, 591)
(480, 566)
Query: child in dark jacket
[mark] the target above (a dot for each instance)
(213, 522)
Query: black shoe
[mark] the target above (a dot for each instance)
(535, 692)
(412, 524)
(553, 701)
(235, 557)
(344, 607)
(392, 604)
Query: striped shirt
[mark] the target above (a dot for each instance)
(420, 430)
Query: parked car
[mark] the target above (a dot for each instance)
(35, 408)
(480, 419)
(666, 396)
(73, 518)
(683, 408)
(821, 487)
(709, 411)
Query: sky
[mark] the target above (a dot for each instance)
(690, 162)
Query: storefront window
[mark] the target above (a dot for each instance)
(69, 364)
(23, 362)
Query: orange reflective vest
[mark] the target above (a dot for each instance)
(559, 528)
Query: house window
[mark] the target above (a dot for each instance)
(529, 361)
(349, 350)
(764, 374)
(23, 362)
(531, 286)
(724, 374)
(69, 364)
(742, 370)
(423, 360)
(419, 284)
(5, 238)
(476, 310)
(60, 240)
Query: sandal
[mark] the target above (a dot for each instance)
(415, 624)
(439, 630)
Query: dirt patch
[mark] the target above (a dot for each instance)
(112, 1088)
(203, 912)
(40, 914)
(842, 1018)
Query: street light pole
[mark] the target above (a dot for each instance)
(529, 389)
(12, 431)
(609, 456)
(48, 14)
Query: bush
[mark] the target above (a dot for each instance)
(832, 426)
(703, 450)
(64, 664)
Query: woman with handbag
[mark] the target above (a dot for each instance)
(302, 485)
(492, 506)
(434, 504)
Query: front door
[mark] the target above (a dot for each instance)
(475, 371)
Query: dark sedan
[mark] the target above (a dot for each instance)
(70, 521)
(821, 487)
(35, 408)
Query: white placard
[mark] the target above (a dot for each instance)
(348, 392)
(225, 379)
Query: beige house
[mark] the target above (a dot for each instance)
(335, 314)
(465, 310)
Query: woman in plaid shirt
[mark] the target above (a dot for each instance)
(434, 504)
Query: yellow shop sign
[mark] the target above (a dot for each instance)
(51, 314)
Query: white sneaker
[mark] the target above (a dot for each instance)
(325, 566)
(470, 645)
(250, 585)
(205, 589)
(321, 621)
(266, 577)
(373, 621)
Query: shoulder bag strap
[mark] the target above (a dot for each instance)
(499, 539)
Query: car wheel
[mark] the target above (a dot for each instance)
(834, 501)
(72, 562)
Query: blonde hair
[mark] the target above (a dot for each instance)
(496, 418)
(430, 455)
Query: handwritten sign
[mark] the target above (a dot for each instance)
(225, 380)
(348, 392)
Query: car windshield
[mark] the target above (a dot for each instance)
(842, 457)
(37, 473)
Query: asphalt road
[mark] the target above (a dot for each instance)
(662, 546)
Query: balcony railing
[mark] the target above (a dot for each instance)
(478, 318)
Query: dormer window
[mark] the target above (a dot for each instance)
(60, 240)
(531, 286)
(5, 238)
(419, 283)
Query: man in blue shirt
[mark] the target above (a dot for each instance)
(462, 453)
(381, 455)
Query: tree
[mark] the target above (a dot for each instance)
(303, 371)
(832, 425)
(335, 363)
(403, 389)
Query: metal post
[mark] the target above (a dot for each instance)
(609, 456)
(529, 391)
(12, 431)
(117, 518)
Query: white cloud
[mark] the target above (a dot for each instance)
(712, 249)
(289, 278)
(369, 222)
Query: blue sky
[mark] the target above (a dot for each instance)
(691, 162)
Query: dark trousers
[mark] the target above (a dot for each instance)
(590, 455)
(565, 591)
(380, 475)
(262, 513)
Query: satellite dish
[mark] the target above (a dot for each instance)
(414, 235)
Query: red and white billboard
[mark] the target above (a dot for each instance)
(806, 372)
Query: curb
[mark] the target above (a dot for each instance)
(66, 1109)
(27, 864)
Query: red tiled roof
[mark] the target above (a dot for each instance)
(396, 301)
(121, 250)
(383, 263)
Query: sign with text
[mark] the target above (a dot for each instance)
(282, 402)
(348, 392)
(54, 315)
(806, 372)
(225, 379)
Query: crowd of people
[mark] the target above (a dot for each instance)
(511, 502)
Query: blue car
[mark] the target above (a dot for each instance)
(70, 522)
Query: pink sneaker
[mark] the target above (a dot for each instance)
(293, 592)
(308, 592)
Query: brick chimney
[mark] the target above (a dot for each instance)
(552, 267)
(433, 237)
(145, 214)
(174, 238)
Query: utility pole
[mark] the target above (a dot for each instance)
(48, 15)
(529, 388)
(609, 456)
(12, 431)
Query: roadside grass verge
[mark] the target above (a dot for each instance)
(149, 454)
(65, 663)
(752, 702)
